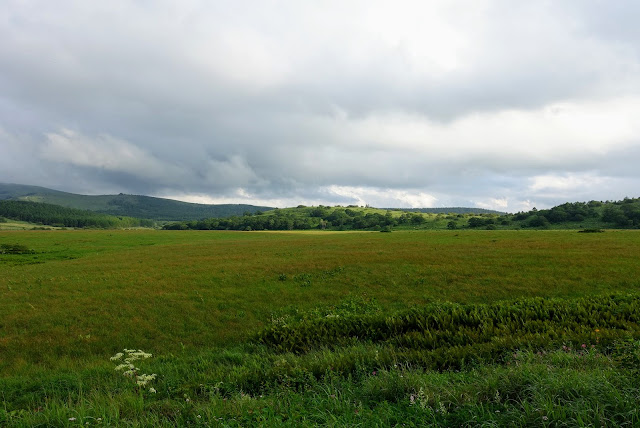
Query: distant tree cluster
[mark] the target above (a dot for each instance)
(248, 222)
(575, 212)
(482, 221)
(623, 214)
(304, 218)
(56, 215)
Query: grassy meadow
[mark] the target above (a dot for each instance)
(198, 300)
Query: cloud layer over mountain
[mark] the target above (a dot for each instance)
(495, 104)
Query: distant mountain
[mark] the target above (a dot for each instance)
(126, 205)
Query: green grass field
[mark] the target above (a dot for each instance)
(195, 299)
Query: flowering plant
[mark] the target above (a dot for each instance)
(126, 359)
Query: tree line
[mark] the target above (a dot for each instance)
(56, 215)
(619, 214)
(305, 218)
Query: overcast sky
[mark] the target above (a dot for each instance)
(495, 104)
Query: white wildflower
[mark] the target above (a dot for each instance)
(130, 369)
(143, 379)
(124, 366)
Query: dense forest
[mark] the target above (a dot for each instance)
(56, 215)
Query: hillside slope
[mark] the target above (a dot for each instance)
(125, 205)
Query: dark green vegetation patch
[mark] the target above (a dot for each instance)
(56, 215)
(446, 335)
(15, 249)
(571, 361)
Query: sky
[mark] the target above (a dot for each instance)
(498, 104)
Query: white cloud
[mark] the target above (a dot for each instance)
(330, 195)
(552, 133)
(564, 183)
(106, 152)
(498, 204)
(525, 205)
(404, 103)
(234, 171)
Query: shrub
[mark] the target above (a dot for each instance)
(15, 249)
(447, 334)
(538, 221)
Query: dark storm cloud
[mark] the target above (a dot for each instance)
(492, 103)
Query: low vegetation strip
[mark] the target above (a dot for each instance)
(446, 325)
(436, 337)
(582, 366)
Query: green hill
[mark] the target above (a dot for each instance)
(125, 205)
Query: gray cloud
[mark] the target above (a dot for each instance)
(488, 103)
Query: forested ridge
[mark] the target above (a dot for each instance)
(56, 215)
(139, 206)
